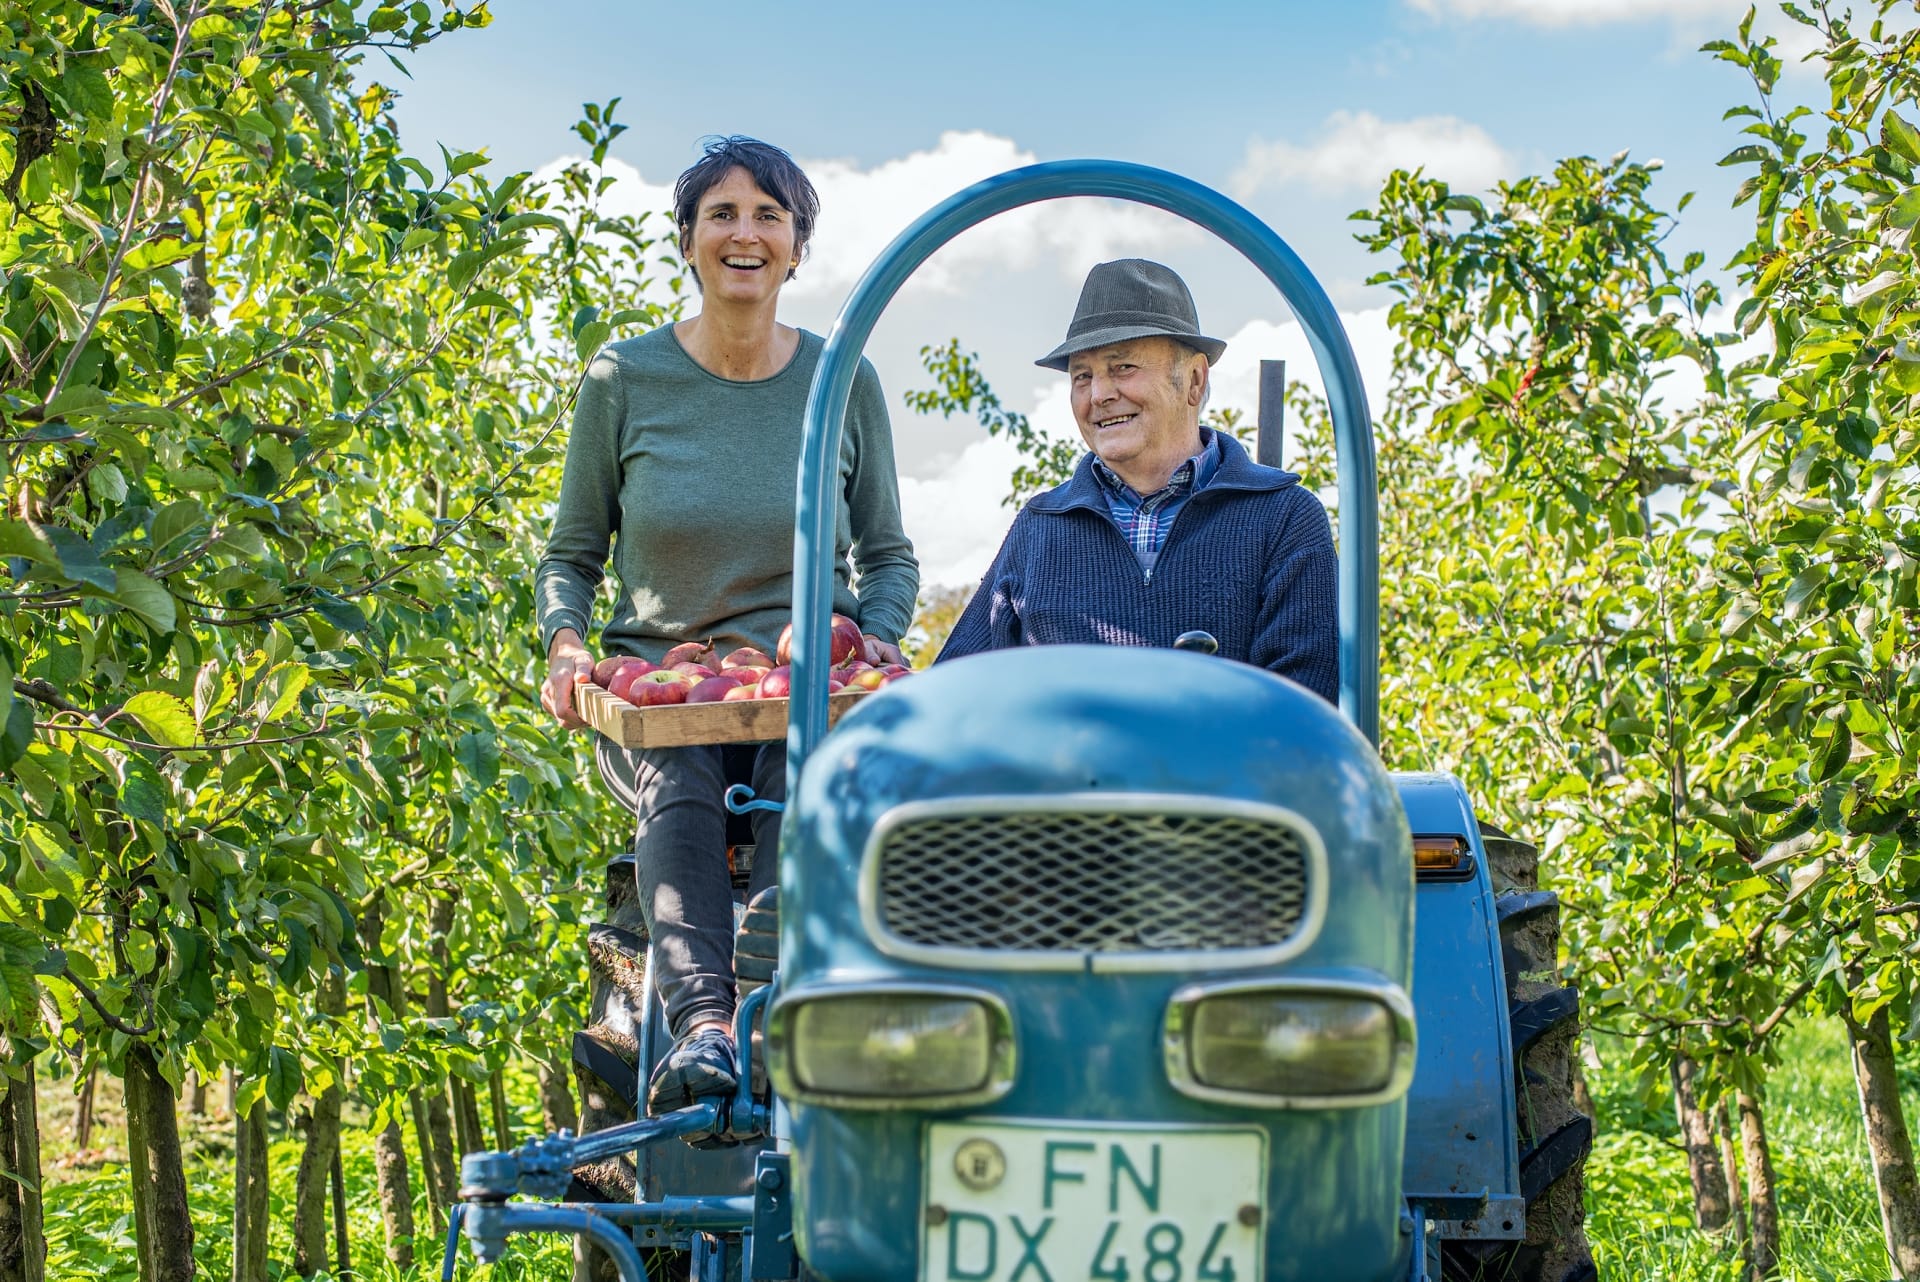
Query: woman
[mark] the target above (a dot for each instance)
(685, 444)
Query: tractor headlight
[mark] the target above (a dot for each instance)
(1313, 1044)
(891, 1047)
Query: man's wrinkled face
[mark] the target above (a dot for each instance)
(1138, 399)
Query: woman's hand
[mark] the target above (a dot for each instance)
(879, 652)
(569, 664)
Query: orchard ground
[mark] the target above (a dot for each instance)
(1638, 1202)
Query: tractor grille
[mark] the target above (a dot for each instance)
(1093, 881)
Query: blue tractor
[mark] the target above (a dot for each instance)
(1097, 963)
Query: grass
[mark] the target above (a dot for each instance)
(1638, 1200)
(1640, 1205)
(89, 1211)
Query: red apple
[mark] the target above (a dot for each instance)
(868, 679)
(655, 688)
(625, 675)
(834, 687)
(846, 643)
(741, 692)
(746, 657)
(698, 671)
(843, 643)
(686, 652)
(746, 676)
(711, 690)
(896, 670)
(603, 671)
(777, 684)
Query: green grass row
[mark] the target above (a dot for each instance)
(1638, 1201)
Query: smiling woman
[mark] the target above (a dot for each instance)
(681, 464)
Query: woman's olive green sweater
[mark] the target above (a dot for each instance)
(689, 479)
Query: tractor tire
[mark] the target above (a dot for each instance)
(1554, 1136)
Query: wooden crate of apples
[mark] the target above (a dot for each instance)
(693, 696)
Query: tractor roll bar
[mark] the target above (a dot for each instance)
(813, 543)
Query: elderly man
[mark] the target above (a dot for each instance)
(1166, 526)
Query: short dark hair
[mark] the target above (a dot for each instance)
(773, 172)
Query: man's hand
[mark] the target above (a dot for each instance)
(879, 652)
(569, 664)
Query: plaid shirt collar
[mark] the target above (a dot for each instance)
(1145, 519)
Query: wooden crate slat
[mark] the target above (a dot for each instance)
(681, 725)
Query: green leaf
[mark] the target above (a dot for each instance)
(1835, 753)
(591, 338)
(479, 755)
(1899, 136)
(1905, 209)
(17, 538)
(18, 733)
(295, 676)
(313, 97)
(21, 954)
(142, 793)
(78, 561)
(283, 1077)
(1803, 878)
(86, 90)
(342, 614)
(166, 718)
(145, 598)
(1770, 801)
(1805, 584)
(489, 298)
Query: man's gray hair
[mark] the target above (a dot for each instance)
(1185, 351)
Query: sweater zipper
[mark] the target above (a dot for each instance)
(1146, 577)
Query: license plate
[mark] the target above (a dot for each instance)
(1042, 1202)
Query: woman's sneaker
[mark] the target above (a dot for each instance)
(702, 1065)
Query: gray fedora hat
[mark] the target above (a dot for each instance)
(1132, 298)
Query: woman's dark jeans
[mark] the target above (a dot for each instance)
(680, 859)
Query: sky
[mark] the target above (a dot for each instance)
(1296, 108)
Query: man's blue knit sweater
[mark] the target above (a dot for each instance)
(1249, 558)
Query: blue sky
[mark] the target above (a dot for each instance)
(1295, 108)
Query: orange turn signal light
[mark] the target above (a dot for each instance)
(1442, 855)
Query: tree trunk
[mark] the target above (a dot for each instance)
(250, 1202)
(83, 1111)
(1710, 1209)
(389, 1146)
(1887, 1139)
(316, 1160)
(196, 1093)
(1763, 1209)
(23, 1241)
(163, 1223)
(557, 1109)
(431, 1133)
(466, 1117)
(1736, 1176)
(439, 1120)
(502, 1119)
(343, 1261)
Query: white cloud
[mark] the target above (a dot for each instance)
(1357, 150)
(955, 517)
(865, 209)
(862, 210)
